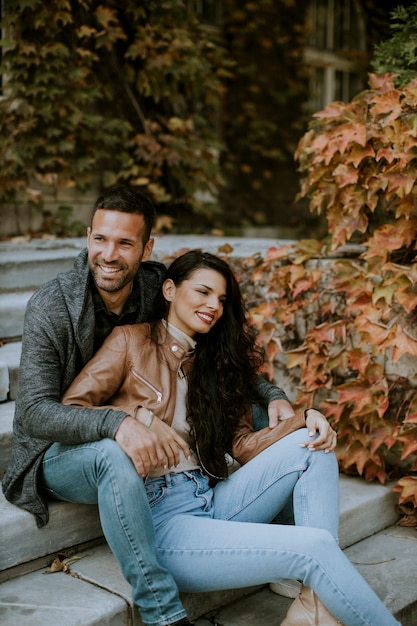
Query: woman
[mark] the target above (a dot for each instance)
(190, 378)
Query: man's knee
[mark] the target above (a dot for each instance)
(109, 457)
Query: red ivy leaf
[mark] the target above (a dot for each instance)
(407, 486)
(403, 343)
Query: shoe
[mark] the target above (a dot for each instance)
(308, 610)
(286, 588)
(183, 622)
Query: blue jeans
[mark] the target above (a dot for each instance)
(212, 538)
(101, 473)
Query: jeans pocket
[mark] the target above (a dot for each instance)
(155, 493)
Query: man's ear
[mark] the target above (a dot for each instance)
(168, 289)
(147, 250)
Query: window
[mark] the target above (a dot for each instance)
(336, 51)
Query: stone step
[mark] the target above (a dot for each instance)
(6, 434)
(9, 369)
(25, 266)
(22, 542)
(95, 592)
(12, 313)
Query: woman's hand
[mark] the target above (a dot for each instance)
(171, 442)
(316, 422)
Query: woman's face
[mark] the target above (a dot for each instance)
(197, 303)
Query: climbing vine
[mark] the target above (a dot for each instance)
(340, 316)
(102, 92)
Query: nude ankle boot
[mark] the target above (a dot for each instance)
(308, 610)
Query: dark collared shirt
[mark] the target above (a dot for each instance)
(106, 320)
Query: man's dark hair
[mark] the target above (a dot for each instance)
(127, 199)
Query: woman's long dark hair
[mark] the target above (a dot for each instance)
(221, 381)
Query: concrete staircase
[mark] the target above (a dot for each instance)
(93, 591)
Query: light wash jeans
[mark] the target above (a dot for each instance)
(213, 538)
(100, 472)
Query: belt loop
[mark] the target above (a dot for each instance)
(168, 481)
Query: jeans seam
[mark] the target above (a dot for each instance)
(265, 488)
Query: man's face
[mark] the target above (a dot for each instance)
(115, 248)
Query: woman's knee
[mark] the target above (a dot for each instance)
(320, 542)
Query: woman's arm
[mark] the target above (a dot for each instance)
(247, 443)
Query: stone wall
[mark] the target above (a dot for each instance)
(20, 217)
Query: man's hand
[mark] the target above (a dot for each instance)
(279, 410)
(316, 422)
(171, 442)
(141, 445)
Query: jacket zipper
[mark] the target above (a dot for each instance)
(145, 382)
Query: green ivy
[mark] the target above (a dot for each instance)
(398, 54)
(111, 91)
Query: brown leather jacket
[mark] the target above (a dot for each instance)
(130, 371)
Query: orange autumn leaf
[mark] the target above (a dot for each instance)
(361, 395)
(403, 343)
(357, 456)
(409, 439)
(387, 104)
(358, 359)
(274, 254)
(407, 486)
(334, 109)
(345, 174)
(297, 357)
(265, 309)
(267, 332)
(381, 82)
(333, 409)
(379, 332)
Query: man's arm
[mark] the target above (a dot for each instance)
(277, 407)
(274, 405)
(267, 391)
(46, 368)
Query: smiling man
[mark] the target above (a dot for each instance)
(117, 244)
(86, 455)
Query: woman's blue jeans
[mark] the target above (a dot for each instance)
(213, 538)
(101, 473)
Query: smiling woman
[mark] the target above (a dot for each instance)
(197, 303)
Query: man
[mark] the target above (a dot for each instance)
(97, 455)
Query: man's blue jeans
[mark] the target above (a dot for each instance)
(219, 538)
(101, 473)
